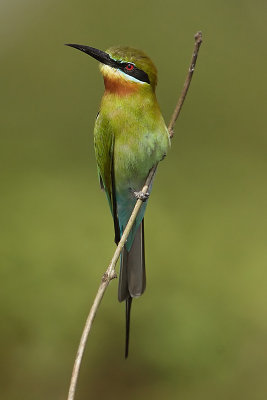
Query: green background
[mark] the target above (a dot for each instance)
(199, 332)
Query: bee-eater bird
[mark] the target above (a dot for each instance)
(130, 137)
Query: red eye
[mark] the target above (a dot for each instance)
(129, 67)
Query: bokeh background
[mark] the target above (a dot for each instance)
(199, 332)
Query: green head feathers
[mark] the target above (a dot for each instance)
(138, 58)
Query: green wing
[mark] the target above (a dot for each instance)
(104, 151)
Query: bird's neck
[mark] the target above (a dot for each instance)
(120, 87)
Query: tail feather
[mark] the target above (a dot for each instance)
(136, 273)
(123, 292)
(132, 282)
(128, 304)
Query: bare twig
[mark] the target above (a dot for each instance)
(198, 41)
(110, 272)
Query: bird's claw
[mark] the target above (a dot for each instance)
(162, 158)
(141, 196)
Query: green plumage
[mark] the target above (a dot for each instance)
(130, 137)
(132, 141)
(130, 131)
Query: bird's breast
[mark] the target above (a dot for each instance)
(136, 152)
(140, 136)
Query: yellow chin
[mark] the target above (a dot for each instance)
(109, 72)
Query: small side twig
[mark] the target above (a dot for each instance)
(110, 272)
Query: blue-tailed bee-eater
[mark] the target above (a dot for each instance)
(130, 137)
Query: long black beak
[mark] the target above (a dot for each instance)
(99, 55)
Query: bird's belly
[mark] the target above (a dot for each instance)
(134, 159)
(134, 156)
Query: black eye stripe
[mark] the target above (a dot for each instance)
(135, 72)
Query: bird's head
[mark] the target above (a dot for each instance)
(124, 69)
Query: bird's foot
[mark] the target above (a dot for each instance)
(164, 155)
(141, 196)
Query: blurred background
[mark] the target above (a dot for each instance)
(199, 331)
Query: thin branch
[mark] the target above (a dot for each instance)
(110, 272)
(198, 41)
